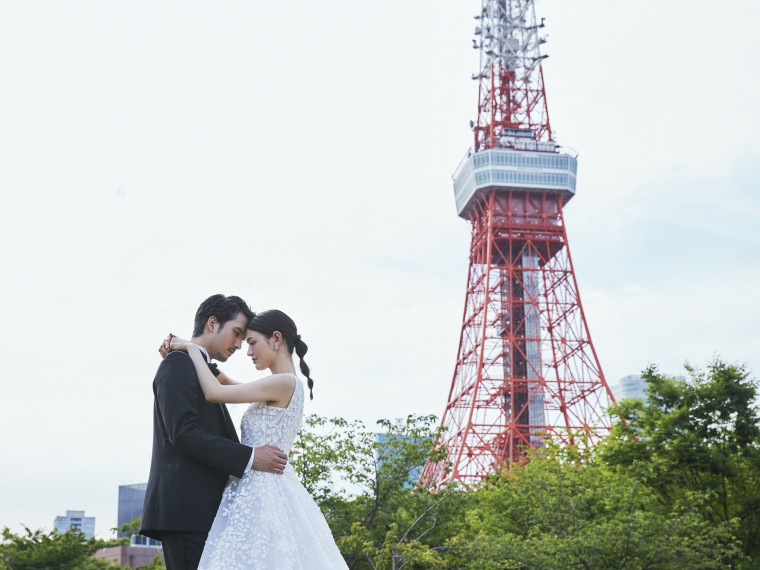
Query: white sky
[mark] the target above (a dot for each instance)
(299, 155)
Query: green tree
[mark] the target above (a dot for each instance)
(39, 550)
(676, 485)
(330, 454)
(559, 511)
(132, 528)
(365, 485)
(696, 435)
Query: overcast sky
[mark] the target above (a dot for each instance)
(299, 154)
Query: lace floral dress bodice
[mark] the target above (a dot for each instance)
(267, 521)
(262, 424)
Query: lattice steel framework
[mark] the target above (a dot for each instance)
(526, 368)
(511, 82)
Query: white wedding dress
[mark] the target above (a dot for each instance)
(268, 521)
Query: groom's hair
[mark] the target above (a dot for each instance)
(224, 308)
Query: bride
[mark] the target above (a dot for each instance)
(266, 521)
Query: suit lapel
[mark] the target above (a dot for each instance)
(228, 422)
(232, 433)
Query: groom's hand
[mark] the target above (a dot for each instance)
(269, 458)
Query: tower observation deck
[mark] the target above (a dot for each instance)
(526, 370)
(527, 170)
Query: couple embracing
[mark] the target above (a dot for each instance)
(214, 502)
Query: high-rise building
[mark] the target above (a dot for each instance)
(631, 386)
(75, 520)
(131, 498)
(388, 444)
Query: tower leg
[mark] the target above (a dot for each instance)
(526, 369)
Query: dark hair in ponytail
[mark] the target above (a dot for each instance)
(267, 322)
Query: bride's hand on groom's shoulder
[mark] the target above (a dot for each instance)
(164, 348)
(172, 342)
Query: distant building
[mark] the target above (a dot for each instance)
(131, 499)
(631, 386)
(132, 556)
(387, 441)
(75, 520)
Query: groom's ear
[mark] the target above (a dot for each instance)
(211, 324)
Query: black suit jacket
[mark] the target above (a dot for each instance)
(195, 449)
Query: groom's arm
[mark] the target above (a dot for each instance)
(179, 398)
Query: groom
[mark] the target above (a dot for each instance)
(195, 445)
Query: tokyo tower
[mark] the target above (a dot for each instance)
(526, 369)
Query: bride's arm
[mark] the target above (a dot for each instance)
(224, 379)
(277, 388)
(173, 342)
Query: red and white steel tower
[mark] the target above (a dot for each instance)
(526, 369)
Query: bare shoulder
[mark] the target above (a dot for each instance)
(284, 379)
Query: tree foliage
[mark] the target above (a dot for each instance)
(40, 550)
(698, 435)
(557, 512)
(133, 528)
(676, 485)
(378, 516)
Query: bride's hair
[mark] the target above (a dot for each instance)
(267, 322)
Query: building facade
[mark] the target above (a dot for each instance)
(388, 449)
(132, 556)
(131, 498)
(76, 521)
(631, 386)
